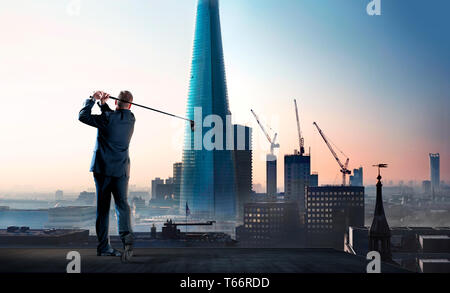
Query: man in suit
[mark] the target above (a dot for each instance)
(111, 167)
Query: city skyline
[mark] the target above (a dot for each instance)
(377, 86)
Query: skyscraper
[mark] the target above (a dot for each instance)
(434, 172)
(208, 176)
(243, 161)
(271, 175)
(297, 172)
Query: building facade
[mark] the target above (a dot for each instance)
(270, 224)
(330, 210)
(208, 176)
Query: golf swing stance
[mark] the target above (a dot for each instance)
(111, 167)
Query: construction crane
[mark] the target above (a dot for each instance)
(344, 169)
(273, 145)
(300, 138)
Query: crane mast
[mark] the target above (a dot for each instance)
(273, 145)
(343, 167)
(300, 138)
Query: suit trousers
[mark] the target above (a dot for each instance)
(118, 187)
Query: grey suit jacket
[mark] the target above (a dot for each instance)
(115, 129)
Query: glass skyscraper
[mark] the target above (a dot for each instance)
(434, 172)
(208, 176)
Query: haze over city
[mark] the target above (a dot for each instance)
(378, 87)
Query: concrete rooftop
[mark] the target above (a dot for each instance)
(190, 260)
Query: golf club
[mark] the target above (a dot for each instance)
(159, 111)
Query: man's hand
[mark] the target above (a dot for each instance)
(102, 96)
(97, 95)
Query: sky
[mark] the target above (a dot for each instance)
(378, 86)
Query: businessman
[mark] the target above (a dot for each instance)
(111, 168)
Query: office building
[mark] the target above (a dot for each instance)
(270, 224)
(297, 173)
(330, 210)
(208, 176)
(163, 191)
(243, 164)
(155, 182)
(357, 178)
(435, 172)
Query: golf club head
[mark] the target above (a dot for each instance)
(192, 125)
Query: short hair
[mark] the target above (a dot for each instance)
(124, 97)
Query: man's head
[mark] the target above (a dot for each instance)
(124, 97)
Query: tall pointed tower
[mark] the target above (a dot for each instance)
(208, 176)
(380, 233)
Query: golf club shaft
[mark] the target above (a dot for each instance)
(152, 109)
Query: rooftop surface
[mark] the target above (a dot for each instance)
(190, 260)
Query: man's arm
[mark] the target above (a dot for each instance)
(85, 116)
(104, 107)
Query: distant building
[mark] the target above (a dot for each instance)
(270, 224)
(314, 179)
(177, 169)
(59, 195)
(357, 178)
(297, 172)
(243, 167)
(163, 191)
(142, 194)
(271, 175)
(155, 182)
(435, 172)
(426, 187)
(86, 198)
(418, 249)
(71, 217)
(330, 210)
(138, 203)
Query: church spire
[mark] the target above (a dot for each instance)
(380, 233)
